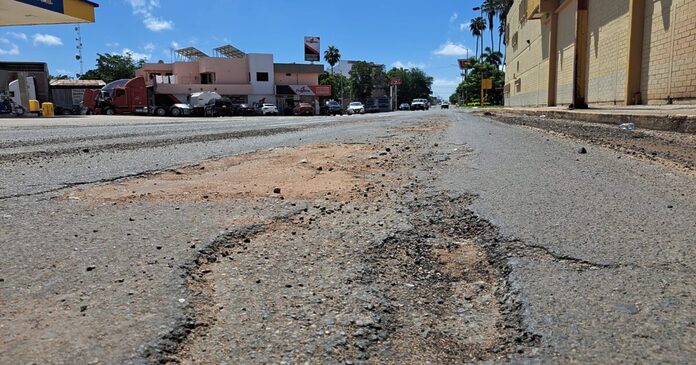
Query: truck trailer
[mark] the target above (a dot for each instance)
(134, 96)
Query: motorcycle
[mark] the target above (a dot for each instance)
(8, 106)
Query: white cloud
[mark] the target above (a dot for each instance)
(454, 17)
(157, 24)
(408, 65)
(16, 35)
(464, 27)
(136, 55)
(113, 45)
(8, 48)
(62, 71)
(150, 47)
(452, 49)
(145, 9)
(445, 82)
(175, 45)
(46, 39)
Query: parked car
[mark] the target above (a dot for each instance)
(444, 106)
(303, 109)
(332, 107)
(244, 109)
(219, 107)
(420, 104)
(178, 110)
(266, 109)
(356, 107)
(404, 106)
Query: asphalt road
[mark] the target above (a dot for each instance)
(597, 250)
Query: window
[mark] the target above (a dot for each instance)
(288, 75)
(507, 34)
(208, 78)
(522, 12)
(262, 76)
(514, 41)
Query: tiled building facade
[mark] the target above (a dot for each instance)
(619, 52)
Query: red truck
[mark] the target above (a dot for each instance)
(131, 96)
(118, 97)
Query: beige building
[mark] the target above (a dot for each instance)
(619, 52)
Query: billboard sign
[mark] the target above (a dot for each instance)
(321, 90)
(395, 81)
(302, 90)
(312, 49)
(52, 5)
(463, 64)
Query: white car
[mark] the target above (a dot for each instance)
(267, 109)
(356, 107)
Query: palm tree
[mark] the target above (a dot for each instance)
(477, 26)
(332, 55)
(501, 32)
(503, 10)
(491, 8)
(492, 57)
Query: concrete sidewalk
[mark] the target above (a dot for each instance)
(675, 118)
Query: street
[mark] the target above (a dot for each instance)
(439, 237)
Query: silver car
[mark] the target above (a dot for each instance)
(356, 107)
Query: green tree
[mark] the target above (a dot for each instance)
(414, 84)
(477, 27)
(362, 80)
(332, 56)
(493, 57)
(337, 81)
(470, 89)
(113, 67)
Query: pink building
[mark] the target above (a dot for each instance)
(245, 78)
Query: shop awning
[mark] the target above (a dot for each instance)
(36, 12)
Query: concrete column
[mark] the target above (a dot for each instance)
(553, 59)
(580, 72)
(636, 21)
(23, 94)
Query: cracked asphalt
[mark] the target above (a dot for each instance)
(414, 237)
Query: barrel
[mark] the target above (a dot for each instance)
(47, 109)
(34, 106)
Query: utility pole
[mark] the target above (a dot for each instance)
(396, 96)
(78, 55)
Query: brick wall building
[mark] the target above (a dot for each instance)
(620, 52)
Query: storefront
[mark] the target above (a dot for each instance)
(288, 96)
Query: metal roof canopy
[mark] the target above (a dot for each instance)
(191, 53)
(229, 52)
(78, 83)
(36, 12)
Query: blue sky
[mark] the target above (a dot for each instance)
(403, 33)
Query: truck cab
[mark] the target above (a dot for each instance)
(118, 97)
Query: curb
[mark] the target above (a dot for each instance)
(670, 123)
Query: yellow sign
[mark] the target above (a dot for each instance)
(486, 84)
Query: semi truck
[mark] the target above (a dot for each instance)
(133, 96)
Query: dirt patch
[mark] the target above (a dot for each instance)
(434, 124)
(366, 269)
(300, 173)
